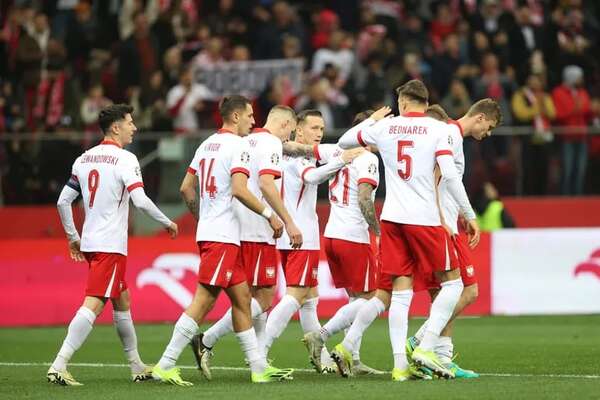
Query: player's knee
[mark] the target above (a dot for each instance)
(471, 293)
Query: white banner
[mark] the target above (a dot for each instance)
(546, 271)
(249, 78)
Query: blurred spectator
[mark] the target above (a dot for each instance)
(91, 106)
(212, 55)
(369, 41)
(240, 53)
(415, 38)
(155, 112)
(50, 97)
(334, 53)
(523, 37)
(450, 63)
(129, 12)
(291, 47)
(279, 91)
(322, 96)
(457, 102)
(572, 104)
(491, 213)
(285, 22)
(594, 178)
(533, 107)
(443, 24)
(81, 37)
(326, 24)
(186, 100)
(495, 84)
(375, 91)
(172, 66)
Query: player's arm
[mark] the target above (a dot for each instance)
(295, 150)
(142, 202)
(188, 190)
(315, 176)
(239, 190)
(67, 196)
(367, 206)
(273, 198)
(360, 135)
(437, 178)
(459, 194)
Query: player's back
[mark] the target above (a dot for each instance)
(408, 145)
(216, 160)
(106, 174)
(265, 158)
(346, 220)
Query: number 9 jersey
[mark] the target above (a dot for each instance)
(104, 175)
(217, 158)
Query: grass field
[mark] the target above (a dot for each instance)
(520, 358)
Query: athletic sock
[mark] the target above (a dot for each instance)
(249, 345)
(224, 326)
(444, 349)
(342, 319)
(364, 318)
(441, 311)
(398, 324)
(309, 320)
(421, 332)
(126, 332)
(278, 320)
(79, 329)
(184, 331)
(260, 323)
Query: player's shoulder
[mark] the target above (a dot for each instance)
(367, 157)
(127, 156)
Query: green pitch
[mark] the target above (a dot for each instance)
(520, 358)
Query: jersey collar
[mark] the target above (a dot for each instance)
(260, 130)
(460, 128)
(414, 114)
(223, 130)
(110, 142)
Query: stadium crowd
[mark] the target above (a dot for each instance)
(62, 61)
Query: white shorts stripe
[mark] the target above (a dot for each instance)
(366, 287)
(255, 280)
(112, 281)
(303, 279)
(213, 281)
(448, 267)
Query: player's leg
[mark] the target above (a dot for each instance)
(126, 331)
(80, 327)
(264, 296)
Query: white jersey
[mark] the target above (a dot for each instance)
(346, 220)
(105, 174)
(450, 208)
(409, 145)
(265, 158)
(216, 159)
(300, 199)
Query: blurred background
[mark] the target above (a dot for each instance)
(62, 61)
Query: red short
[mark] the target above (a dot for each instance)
(260, 263)
(467, 271)
(301, 267)
(353, 265)
(220, 264)
(414, 250)
(106, 277)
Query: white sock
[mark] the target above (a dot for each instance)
(79, 329)
(398, 322)
(342, 319)
(421, 332)
(249, 345)
(441, 311)
(364, 318)
(260, 324)
(278, 320)
(184, 331)
(309, 320)
(444, 349)
(224, 326)
(126, 332)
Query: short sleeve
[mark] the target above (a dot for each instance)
(195, 164)
(131, 174)
(368, 170)
(444, 143)
(240, 158)
(325, 152)
(73, 181)
(303, 165)
(270, 159)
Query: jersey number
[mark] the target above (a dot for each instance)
(93, 182)
(345, 175)
(207, 182)
(404, 158)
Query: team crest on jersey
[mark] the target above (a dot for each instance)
(372, 169)
(450, 140)
(275, 159)
(228, 276)
(470, 271)
(315, 273)
(270, 272)
(245, 157)
(138, 171)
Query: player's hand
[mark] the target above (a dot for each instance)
(473, 233)
(276, 225)
(349, 155)
(75, 251)
(295, 235)
(381, 113)
(173, 230)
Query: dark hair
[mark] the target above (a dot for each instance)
(361, 116)
(112, 114)
(415, 90)
(488, 107)
(231, 104)
(303, 115)
(436, 111)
